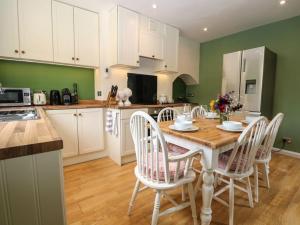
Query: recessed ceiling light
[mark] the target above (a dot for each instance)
(205, 29)
(154, 6)
(282, 2)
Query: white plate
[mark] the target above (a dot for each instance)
(226, 129)
(192, 128)
(212, 117)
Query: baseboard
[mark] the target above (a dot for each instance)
(84, 158)
(287, 153)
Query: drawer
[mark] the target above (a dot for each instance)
(126, 113)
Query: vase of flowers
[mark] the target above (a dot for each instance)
(224, 105)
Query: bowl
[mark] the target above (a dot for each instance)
(232, 125)
(211, 114)
(183, 124)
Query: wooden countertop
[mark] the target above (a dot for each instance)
(102, 104)
(21, 138)
(207, 135)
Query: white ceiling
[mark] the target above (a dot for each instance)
(222, 17)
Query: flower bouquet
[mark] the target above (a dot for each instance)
(224, 105)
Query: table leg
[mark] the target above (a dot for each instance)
(207, 195)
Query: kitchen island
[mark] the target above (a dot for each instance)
(31, 173)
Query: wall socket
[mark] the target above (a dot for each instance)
(99, 93)
(287, 140)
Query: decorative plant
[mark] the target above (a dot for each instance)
(225, 104)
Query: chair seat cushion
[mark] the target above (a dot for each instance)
(173, 150)
(223, 160)
(176, 150)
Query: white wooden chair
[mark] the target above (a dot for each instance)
(157, 169)
(198, 111)
(167, 114)
(263, 155)
(237, 164)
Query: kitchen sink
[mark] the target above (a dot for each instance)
(18, 114)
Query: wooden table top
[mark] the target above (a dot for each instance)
(208, 134)
(21, 138)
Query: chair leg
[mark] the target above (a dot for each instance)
(192, 202)
(183, 197)
(256, 183)
(156, 208)
(133, 197)
(198, 184)
(231, 201)
(249, 193)
(266, 175)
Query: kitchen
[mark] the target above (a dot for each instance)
(76, 51)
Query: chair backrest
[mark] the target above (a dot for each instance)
(243, 154)
(198, 111)
(167, 114)
(150, 148)
(270, 136)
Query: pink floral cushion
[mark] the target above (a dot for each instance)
(161, 169)
(223, 160)
(176, 150)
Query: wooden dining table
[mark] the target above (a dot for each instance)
(211, 141)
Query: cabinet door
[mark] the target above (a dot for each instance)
(146, 45)
(86, 37)
(90, 130)
(158, 46)
(171, 48)
(63, 33)
(126, 138)
(128, 37)
(35, 29)
(65, 123)
(9, 38)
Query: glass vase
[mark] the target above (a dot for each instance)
(224, 117)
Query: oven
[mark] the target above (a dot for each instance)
(14, 96)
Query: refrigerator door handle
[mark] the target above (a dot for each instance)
(244, 65)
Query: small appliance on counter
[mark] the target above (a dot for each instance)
(55, 97)
(14, 96)
(39, 98)
(74, 95)
(66, 96)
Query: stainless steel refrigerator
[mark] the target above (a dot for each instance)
(251, 75)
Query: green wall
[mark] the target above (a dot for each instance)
(47, 77)
(281, 37)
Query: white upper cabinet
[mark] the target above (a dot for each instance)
(124, 37)
(90, 130)
(171, 41)
(86, 32)
(9, 40)
(63, 33)
(151, 42)
(35, 29)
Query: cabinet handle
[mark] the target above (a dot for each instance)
(16, 51)
(74, 114)
(23, 52)
(80, 114)
(138, 62)
(153, 56)
(77, 59)
(166, 66)
(73, 58)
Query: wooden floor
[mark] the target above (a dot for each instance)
(98, 192)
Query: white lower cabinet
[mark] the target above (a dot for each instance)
(80, 129)
(120, 146)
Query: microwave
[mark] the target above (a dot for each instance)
(14, 96)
